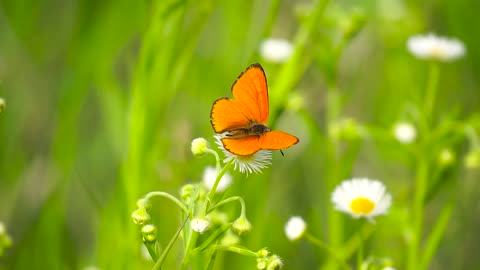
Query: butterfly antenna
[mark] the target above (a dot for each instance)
(282, 152)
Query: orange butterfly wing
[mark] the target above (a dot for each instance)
(242, 146)
(273, 140)
(251, 91)
(249, 106)
(227, 114)
(276, 140)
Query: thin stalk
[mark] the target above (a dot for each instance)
(431, 91)
(158, 264)
(435, 237)
(312, 239)
(360, 250)
(168, 196)
(422, 174)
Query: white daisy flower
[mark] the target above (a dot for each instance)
(362, 197)
(295, 228)
(246, 164)
(434, 47)
(276, 50)
(200, 224)
(405, 132)
(210, 176)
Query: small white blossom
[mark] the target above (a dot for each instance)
(362, 197)
(210, 176)
(295, 228)
(405, 132)
(200, 224)
(434, 47)
(246, 164)
(276, 50)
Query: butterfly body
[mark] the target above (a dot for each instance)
(241, 122)
(253, 130)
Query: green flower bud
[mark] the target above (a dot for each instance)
(186, 192)
(199, 146)
(274, 263)
(472, 159)
(230, 239)
(263, 253)
(2, 105)
(241, 226)
(141, 216)
(261, 263)
(447, 157)
(149, 233)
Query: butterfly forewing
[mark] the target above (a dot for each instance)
(248, 109)
(251, 91)
(227, 114)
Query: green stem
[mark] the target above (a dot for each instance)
(360, 250)
(435, 237)
(237, 249)
(312, 239)
(420, 189)
(414, 252)
(431, 90)
(234, 198)
(193, 235)
(158, 264)
(168, 196)
(211, 193)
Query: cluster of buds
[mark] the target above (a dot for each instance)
(268, 261)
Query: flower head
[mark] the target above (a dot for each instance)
(199, 146)
(295, 228)
(362, 197)
(241, 225)
(434, 47)
(246, 164)
(276, 50)
(405, 132)
(200, 224)
(210, 176)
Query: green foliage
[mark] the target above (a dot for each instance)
(100, 100)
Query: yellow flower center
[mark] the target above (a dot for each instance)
(437, 51)
(362, 206)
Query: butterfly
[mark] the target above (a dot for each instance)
(241, 122)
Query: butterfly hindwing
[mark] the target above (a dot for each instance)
(276, 140)
(242, 146)
(251, 91)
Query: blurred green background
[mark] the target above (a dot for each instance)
(104, 97)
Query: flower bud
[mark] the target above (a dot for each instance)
(149, 233)
(295, 228)
(141, 216)
(2, 105)
(472, 159)
(144, 203)
(230, 239)
(263, 253)
(241, 226)
(199, 146)
(405, 132)
(186, 192)
(274, 263)
(446, 157)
